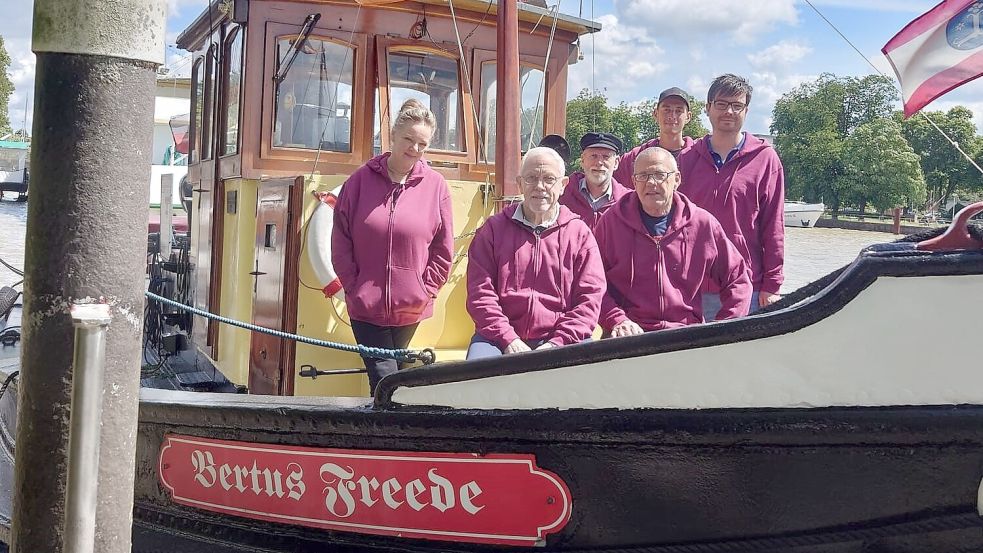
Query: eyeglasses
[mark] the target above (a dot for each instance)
(659, 176)
(721, 105)
(548, 180)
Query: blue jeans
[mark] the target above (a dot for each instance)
(482, 347)
(711, 305)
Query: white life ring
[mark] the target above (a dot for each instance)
(319, 243)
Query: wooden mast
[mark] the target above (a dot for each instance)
(507, 150)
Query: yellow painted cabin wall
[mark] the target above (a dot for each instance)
(236, 301)
(449, 331)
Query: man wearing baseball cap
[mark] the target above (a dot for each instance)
(672, 112)
(590, 192)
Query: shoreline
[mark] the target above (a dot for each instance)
(873, 226)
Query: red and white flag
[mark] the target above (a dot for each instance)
(937, 52)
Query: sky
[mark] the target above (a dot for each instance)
(646, 46)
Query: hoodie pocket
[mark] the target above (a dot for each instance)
(408, 295)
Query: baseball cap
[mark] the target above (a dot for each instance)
(674, 91)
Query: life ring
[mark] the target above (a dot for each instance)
(319, 244)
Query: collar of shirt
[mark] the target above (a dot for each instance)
(521, 217)
(595, 203)
(716, 157)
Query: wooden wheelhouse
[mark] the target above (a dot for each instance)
(288, 99)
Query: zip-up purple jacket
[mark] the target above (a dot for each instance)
(747, 196)
(575, 201)
(656, 281)
(545, 286)
(392, 244)
(626, 167)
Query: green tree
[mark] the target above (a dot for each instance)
(881, 168)
(946, 170)
(6, 88)
(812, 123)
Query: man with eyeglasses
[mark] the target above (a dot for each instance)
(739, 179)
(592, 191)
(659, 249)
(672, 112)
(535, 278)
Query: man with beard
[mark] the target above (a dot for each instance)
(590, 192)
(672, 112)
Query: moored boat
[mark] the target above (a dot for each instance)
(801, 214)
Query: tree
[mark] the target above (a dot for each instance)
(811, 124)
(881, 168)
(946, 170)
(6, 88)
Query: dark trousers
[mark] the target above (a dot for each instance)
(388, 337)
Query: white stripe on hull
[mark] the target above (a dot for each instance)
(902, 341)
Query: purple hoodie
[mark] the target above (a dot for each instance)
(545, 286)
(626, 167)
(575, 201)
(392, 244)
(656, 281)
(747, 196)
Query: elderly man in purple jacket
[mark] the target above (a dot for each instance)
(594, 190)
(659, 249)
(535, 278)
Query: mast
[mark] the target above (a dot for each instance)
(86, 242)
(507, 148)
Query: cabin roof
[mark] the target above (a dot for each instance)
(527, 12)
(14, 144)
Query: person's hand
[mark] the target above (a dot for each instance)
(626, 327)
(517, 346)
(765, 299)
(545, 345)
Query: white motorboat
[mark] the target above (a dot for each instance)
(801, 214)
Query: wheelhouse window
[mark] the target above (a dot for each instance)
(233, 85)
(435, 81)
(209, 95)
(313, 101)
(197, 104)
(532, 89)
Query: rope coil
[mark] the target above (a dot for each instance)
(425, 356)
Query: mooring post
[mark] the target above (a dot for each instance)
(86, 238)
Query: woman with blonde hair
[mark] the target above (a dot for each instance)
(393, 239)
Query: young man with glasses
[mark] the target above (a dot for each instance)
(592, 191)
(672, 112)
(659, 249)
(535, 278)
(739, 179)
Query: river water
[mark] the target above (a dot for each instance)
(809, 253)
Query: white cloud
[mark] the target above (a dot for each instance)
(619, 59)
(784, 53)
(706, 20)
(904, 6)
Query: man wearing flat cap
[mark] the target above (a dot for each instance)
(672, 112)
(592, 191)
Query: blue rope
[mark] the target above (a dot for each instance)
(380, 353)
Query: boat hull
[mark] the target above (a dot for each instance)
(799, 214)
(638, 479)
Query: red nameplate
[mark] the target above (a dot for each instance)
(466, 497)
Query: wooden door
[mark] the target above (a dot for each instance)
(271, 359)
